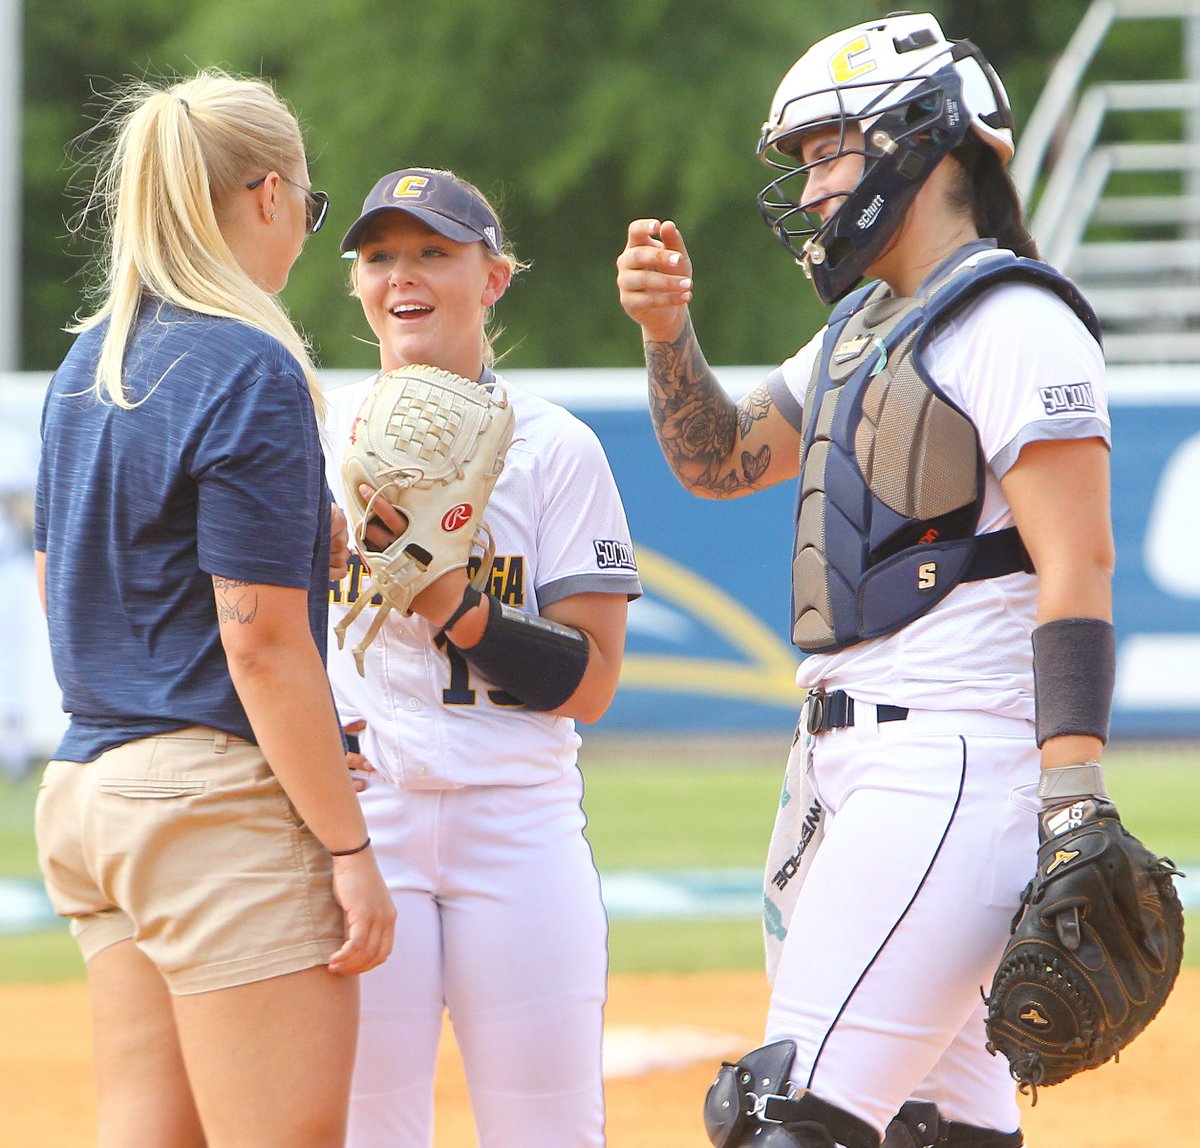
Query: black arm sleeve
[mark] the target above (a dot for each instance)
(534, 659)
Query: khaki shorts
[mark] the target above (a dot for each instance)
(187, 843)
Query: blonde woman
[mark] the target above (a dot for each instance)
(469, 709)
(197, 823)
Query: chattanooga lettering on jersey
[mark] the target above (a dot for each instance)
(613, 555)
(506, 582)
(1075, 397)
(791, 866)
(346, 591)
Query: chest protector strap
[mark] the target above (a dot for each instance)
(892, 473)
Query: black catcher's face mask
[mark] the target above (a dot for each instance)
(902, 143)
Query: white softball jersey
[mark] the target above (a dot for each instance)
(432, 721)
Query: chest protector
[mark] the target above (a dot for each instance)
(891, 472)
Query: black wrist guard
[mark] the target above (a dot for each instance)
(534, 659)
(1074, 671)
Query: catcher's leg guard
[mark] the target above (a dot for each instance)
(751, 1105)
(917, 1125)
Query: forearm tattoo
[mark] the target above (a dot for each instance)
(235, 603)
(698, 426)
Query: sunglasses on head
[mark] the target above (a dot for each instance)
(316, 203)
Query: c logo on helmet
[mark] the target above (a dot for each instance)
(456, 517)
(852, 61)
(410, 187)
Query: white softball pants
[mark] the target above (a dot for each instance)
(500, 922)
(902, 918)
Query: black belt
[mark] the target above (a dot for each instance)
(825, 711)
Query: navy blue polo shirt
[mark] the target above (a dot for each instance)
(216, 471)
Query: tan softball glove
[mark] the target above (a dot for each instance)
(432, 444)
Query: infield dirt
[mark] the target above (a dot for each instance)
(667, 1035)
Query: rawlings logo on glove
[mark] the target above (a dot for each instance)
(432, 444)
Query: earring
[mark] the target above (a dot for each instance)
(273, 217)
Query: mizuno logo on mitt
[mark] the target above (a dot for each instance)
(1061, 858)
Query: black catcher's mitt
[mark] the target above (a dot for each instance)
(1094, 951)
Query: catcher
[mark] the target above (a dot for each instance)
(479, 649)
(949, 432)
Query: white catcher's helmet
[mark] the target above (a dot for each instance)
(915, 95)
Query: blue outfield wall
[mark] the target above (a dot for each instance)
(1156, 521)
(708, 648)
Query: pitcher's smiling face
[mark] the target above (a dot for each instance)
(425, 296)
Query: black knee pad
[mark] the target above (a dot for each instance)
(917, 1125)
(751, 1105)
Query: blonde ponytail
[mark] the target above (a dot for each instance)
(174, 156)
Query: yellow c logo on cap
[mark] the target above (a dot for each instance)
(851, 61)
(410, 187)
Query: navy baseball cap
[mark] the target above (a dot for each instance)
(437, 199)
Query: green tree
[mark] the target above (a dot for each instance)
(70, 47)
(575, 117)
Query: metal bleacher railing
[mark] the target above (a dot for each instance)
(1116, 208)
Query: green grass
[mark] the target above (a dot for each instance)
(644, 814)
(659, 805)
(1157, 790)
(18, 856)
(668, 803)
(702, 946)
(46, 955)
